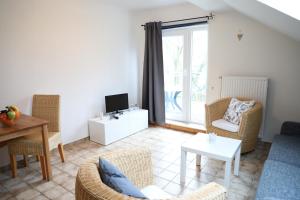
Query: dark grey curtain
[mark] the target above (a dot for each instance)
(153, 74)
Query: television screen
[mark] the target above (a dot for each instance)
(116, 102)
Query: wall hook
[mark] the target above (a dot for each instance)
(240, 35)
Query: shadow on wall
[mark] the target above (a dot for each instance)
(25, 105)
(273, 124)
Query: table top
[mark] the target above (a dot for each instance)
(23, 123)
(222, 148)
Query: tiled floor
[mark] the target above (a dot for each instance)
(165, 147)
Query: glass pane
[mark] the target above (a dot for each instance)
(198, 75)
(173, 75)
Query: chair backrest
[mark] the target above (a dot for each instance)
(228, 99)
(47, 107)
(135, 163)
(257, 103)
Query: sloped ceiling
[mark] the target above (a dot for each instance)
(143, 4)
(211, 5)
(256, 10)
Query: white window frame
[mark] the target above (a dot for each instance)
(186, 32)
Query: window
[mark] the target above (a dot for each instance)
(185, 71)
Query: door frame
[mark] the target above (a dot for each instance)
(187, 33)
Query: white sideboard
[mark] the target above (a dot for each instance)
(108, 130)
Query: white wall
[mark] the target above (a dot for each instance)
(261, 52)
(80, 49)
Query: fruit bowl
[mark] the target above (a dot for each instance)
(9, 116)
(7, 122)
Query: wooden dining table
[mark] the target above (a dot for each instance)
(27, 125)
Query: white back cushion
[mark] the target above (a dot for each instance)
(225, 125)
(154, 192)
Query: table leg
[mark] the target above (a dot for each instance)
(237, 161)
(46, 153)
(42, 161)
(227, 174)
(183, 167)
(13, 165)
(198, 160)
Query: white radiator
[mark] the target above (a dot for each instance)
(250, 87)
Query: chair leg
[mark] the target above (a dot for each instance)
(43, 166)
(13, 165)
(25, 160)
(61, 152)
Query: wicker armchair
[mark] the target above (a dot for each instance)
(44, 107)
(249, 125)
(137, 166)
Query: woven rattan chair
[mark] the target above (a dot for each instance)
(248, 128)
(137, 166)
(44, 107)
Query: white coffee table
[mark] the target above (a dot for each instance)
(225, 149)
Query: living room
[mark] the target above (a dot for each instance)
(84, 51)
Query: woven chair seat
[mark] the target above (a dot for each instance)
(32, 145)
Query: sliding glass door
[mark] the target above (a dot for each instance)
(173, 45)
(185, 71)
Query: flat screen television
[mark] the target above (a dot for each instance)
(116, 103)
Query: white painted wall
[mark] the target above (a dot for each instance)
(261, 52)
(80, 49)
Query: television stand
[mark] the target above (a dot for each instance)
(119, 112)
(114, 116)
(107, 130)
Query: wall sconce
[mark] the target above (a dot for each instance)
(240, 35)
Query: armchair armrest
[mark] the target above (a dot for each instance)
(290, 128)
(216, 110)
(89, 185)
(211, 191)
(135, 163)
(250, 125)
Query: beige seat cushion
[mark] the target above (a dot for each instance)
(53, 138)
(225, 125)
(32, 144)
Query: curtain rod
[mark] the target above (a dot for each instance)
(208, 17)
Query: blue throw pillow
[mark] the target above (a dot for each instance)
(115, 179)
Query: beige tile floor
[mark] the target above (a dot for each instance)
(165, 147)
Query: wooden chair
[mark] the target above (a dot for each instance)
(44, 107)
